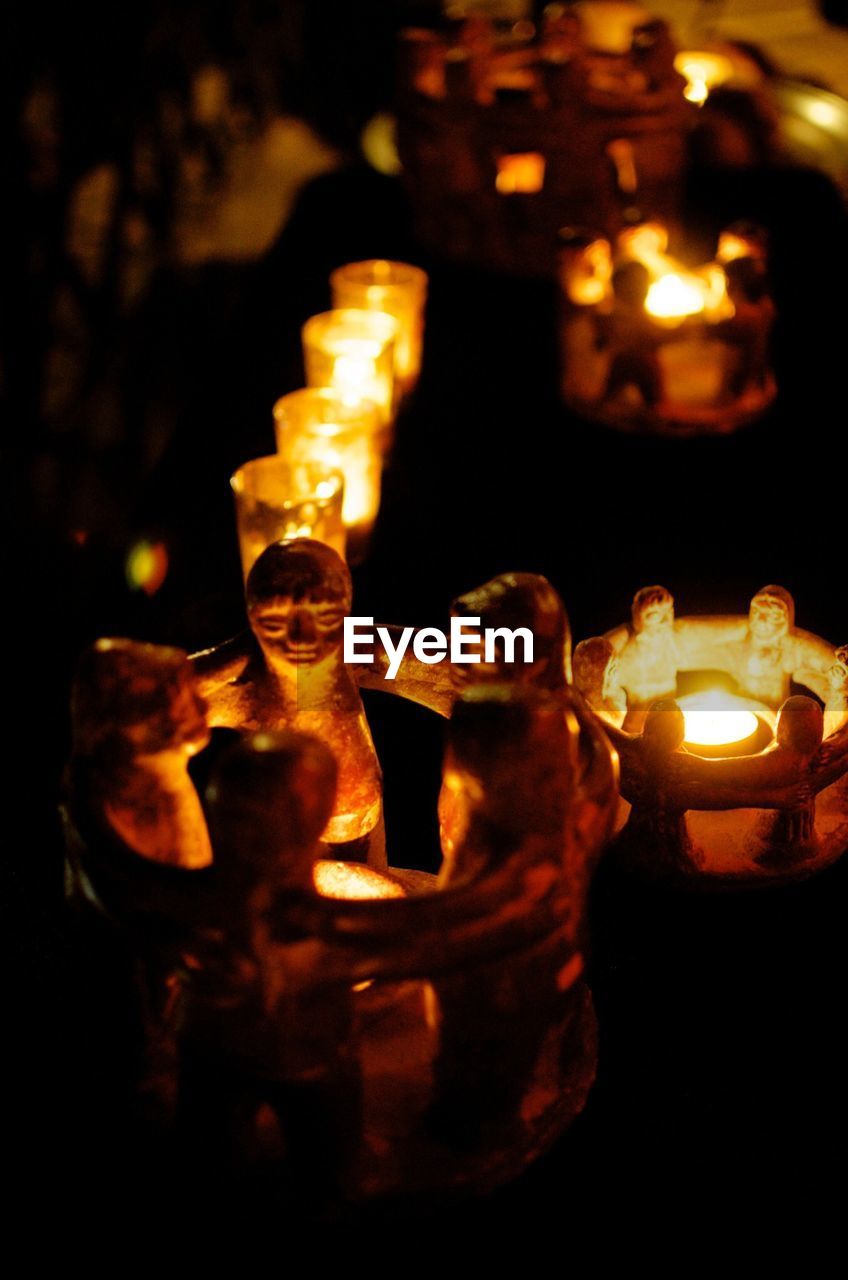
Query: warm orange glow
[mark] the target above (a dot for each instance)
(703, 71)
(353, 351)
(396, 289)
(675, 296)
(276, 500)
(354, 881)
(715, 718)
(318, 426)
(520, 174)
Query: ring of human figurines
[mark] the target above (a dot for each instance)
(732, 735)
(387, 1005)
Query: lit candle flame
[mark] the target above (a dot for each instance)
(675, 296)
(702, 71)
(351, 880)
(715, 719)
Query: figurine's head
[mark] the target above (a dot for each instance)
(771, 615)
(510, 601)
(507, 763)
(800, 725)
(665, 728)
(746, 280)
(298, 594)
(645, 239)
(837, 676)
(596, 670)
(630, 284)
(269, 799)
(653, 611)
(131, 699)
(585, 258)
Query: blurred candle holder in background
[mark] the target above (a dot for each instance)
(732, 735)
(650, 344)
(397, 289)
(318, 425)
(703, 70)
(277, 500)
(352, 351)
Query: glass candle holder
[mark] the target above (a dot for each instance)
(318, 425)
(276, 500)
(396, 289)
(352, 351)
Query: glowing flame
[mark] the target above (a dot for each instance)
(715, 719)
(702, 71)
(675, 296)
(520, 174)
(352, 880)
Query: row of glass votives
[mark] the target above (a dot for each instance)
(360, 359)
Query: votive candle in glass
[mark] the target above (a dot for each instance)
(318, 425)
(352, 351)
(276, 499)
(399, 290)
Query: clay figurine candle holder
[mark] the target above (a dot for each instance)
(650, 345)
(504, 137)
(428, 1039)
(732, 732)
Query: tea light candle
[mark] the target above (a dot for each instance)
(395, 289)
(318, 425)
(352, 351)
(703, 70)
(716, 719)
(275, 501)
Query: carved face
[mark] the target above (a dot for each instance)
(655, 617)
(768, 619)
(299, 632)
(837, 676)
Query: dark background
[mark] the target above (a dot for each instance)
(721, 1096)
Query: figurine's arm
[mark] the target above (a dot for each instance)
(812, 659)
(770, 780)
(618, 637)
(702, 643)
(395, 939)
(428, 684)
(221, 664)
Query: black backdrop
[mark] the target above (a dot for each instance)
(720, 1093)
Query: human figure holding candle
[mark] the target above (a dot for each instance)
(836, 705)
(790, 834)
(508, 752)
(748, 330)
(632, 337)
(648, 658)
(137, 721)
(598, 678)
(289, 672)
(136, 837)
(765, 662)
(656, 829)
